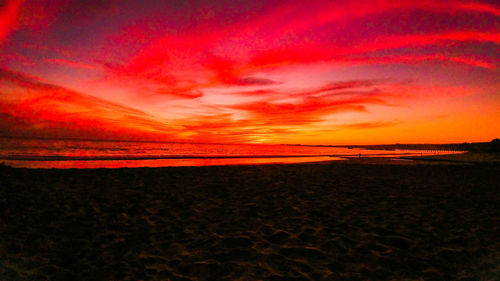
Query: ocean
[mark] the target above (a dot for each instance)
(65, 153)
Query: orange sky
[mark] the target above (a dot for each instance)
(326, 72)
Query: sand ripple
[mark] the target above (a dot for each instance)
(296, 222)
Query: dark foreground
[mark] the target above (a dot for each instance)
(274, 222)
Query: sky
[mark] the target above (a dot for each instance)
(277, 72)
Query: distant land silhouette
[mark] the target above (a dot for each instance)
(492, 146)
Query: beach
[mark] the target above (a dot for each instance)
(349, 220)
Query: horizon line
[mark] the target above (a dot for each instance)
(190, 142)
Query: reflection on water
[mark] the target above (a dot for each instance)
(164, 162)
(43, 153)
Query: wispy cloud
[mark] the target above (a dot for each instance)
(317, 52)
(368, 125)
(9, 15)
(68, 63)
(34, 107)
(306, 111)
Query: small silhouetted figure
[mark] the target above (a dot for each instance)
(359, 155)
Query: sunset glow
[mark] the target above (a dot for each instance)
(326, 72)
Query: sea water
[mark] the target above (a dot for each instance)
(70, 153)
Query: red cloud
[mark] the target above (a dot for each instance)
(315, 52)
(183, 64)
(309, 110)
(393, 42)
(479, 7)
(368, 125)
(9, 15)
(35, 108)
(412, 59)
(297, 21)
(183, 61)
(222, 128)
(273, 116)
(69, 63)
(184, 93)
(16, 58)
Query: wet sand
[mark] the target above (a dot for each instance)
(337, 221)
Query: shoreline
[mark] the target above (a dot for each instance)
(195, 161)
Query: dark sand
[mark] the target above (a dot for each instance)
(467, 157)
(339, 221)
